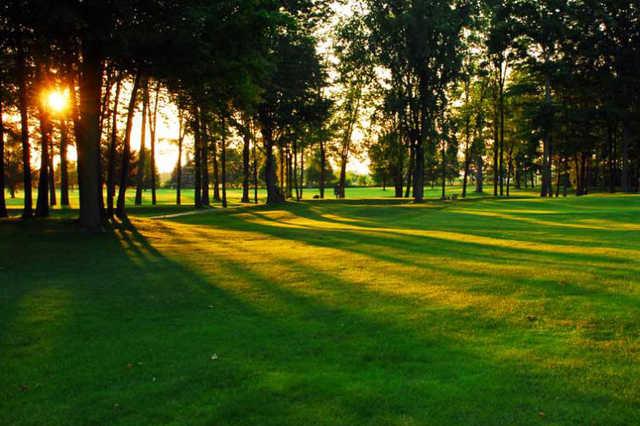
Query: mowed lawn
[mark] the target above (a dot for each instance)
(360, 312)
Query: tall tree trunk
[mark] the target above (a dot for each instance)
(52, 177)
(246, 146)
(179, 163)
(126, 149)
(153, 121)
(216, 169)
(558, 176)
(295, 169)
(546, 190)
(24, 130)
(301, 171)
(3, 204)
(323, 166)
(496, 147)
(479, 174)
(418, 172)
(197, 150)
(509, 169)
(223, 161)
(343, 176)
(255, 172)
(410, 171)
(143, 135)
(467, 152)
(444, 169)
(89, 176)
(626, 164)
(64, 165)
(273, 192)
(42, 202)
(289, 173)
(111, 162)
(204, 140)
(501, 94)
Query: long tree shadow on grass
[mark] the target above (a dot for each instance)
(139, 331)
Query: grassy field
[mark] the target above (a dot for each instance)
(372, 312)
(167, 197)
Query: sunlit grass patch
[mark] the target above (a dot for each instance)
(358, 312)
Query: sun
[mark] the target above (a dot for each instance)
(57, 100)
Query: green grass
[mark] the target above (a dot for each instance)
(373, 312)
(167, 197)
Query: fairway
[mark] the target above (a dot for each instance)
(359, 312)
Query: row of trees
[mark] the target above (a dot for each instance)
(513, 89)
(239, 67)
(516, 91)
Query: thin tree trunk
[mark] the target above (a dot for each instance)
(42, 202)
(410, 171)
(546, 190)
(479, 175)
(143, 135)
(52, 177)
(204, 140)
(223, 160)
(197, 150)
(111, 165)
(126, 149)
(153, 121)
(501, 172)
(246, 146)
(216, 169)
(301, 171)
(558, 177)
(295, 169)
(64, 165)
(418, 174)
(24, 131)
(626, 165)
(179, 164)
(3, 204)
(444, 169)
(496, 147)
(323, 165)
(255, 172)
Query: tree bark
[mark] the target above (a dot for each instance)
(626, 164)
(179, 163)
(52, 177)
(274, 195)
(223, 160)
(126, 149)
(24, 131)
(42, 202)
(204, 140)
(197, 150)
(216, 169)
(323, 166)
(153, 121)
(111, 166)
(410, 168)
(546, 190)
(246, 146)
(255, 172)
(3, 204)
(479, 175)
(418, 174)
(143, 135)
(91, 214)
(64, 165)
